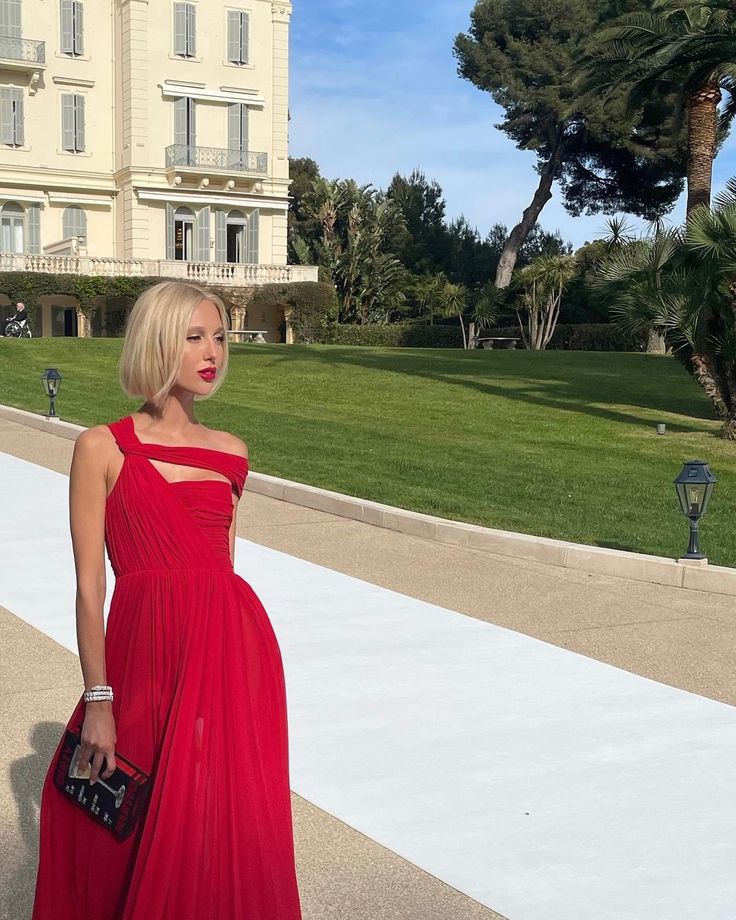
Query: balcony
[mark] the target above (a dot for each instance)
(206, 160)
(23, 54)
(220, 274)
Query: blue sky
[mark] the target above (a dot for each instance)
(375, 90)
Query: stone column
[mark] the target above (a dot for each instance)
(84, 326)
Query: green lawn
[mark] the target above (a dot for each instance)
(560, 444)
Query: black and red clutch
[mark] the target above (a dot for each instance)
(116, 802)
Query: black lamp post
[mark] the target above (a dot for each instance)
(694, 488)
(51, 383)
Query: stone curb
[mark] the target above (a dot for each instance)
(591, 559)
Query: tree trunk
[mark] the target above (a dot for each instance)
(702, 110)
(655, 343)
(707, 380)
(521, 231)
(729, 429)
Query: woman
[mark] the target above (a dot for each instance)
(198, 694)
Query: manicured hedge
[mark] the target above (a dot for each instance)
(583, 337)
(397, 335)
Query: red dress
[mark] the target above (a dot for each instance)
(199, 703)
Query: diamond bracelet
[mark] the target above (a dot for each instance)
(98, 692)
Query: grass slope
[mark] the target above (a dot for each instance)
(559, 444)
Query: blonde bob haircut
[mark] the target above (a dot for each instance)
(155, 336)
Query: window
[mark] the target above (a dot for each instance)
(185, 131)
(185, 20)
(180, 234)
(10, 19)
(237, 134)
(237, 36)
(11, 116)
(72, 27)
(74, 223)
(237, 237)
(72, 122)
(12, 228)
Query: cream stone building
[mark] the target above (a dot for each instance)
(146, 138)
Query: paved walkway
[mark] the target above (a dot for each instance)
(684, 639)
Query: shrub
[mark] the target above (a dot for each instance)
(395, 335)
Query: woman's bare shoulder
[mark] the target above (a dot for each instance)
(225, 440)
(94, 438)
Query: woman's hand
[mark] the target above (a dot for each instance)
(98, 740)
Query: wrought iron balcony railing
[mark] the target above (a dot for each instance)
(247, 161)
(22, 49)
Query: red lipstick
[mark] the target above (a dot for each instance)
(209, 373)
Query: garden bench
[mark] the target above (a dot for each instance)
(507, 341)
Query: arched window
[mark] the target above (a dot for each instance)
(237, 233)
(74, 223)
(12, 227)
(184, 234)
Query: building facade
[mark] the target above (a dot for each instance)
(145, 137)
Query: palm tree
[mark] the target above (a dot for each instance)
(683, 283)
(452, 301)
(541, 286)
(686, 50)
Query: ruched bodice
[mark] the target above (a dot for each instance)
(186, 522)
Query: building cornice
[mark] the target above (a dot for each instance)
(172, 89)
(231, 201)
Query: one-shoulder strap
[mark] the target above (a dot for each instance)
(233, 466)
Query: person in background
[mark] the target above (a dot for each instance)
(20, 315)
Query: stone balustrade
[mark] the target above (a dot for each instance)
(225, 274)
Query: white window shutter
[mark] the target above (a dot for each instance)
(79, 102)
(67, 26)
(170, 232)
(180, 28)
(74, 222)
(10, 18)
(253, 237)
(233, 126)
(220, 236)
(191, 123)
(7, 134)
(191, 29)
(233, 36)
(244, 37)
(180, 123)
(244, 113)
(78, 28)
(34, 229)
(19, 118)
(203, 235)
(67, 121)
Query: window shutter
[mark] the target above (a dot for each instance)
(191, 29)
(244, 112)
(244, 36)
(180, 28)
(79, 122)
(10, 18)
(233, 126)
(191, 123)
(170, 232)
(220, 236)
(233, 36)
(34, 229)
(78, 28)
(19, 122)
(67, 26)
(74, 222)
(67, 122)
(7, 134)
(253, 237)
(203, 235)
(180, 123)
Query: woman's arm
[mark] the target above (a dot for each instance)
(87, 499)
